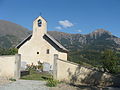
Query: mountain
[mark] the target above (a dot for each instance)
(88, 48)
(11, 34)
(100, 39)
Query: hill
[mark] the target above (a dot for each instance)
(11, 34)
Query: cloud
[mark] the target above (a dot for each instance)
(79, 30)
(58, 27)
(65, 23)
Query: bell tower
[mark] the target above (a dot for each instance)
(39, 27)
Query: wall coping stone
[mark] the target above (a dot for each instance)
(94, 69)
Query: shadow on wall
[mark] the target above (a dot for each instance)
(91, 77)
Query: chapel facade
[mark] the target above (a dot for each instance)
(40, 46)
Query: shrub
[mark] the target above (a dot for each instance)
(35, 67)
(40, 66)
(10, 51)
(31, 67)
(52, 82)
(12, 79)
(110, 61)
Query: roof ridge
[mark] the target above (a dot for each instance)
(49, 36)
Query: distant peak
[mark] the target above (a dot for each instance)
(101, 31)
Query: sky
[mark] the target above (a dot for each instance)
(70, 16)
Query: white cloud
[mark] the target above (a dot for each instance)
(79, 30)
(58, 27)
(66, 23)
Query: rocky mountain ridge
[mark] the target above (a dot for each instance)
(99, 37)
(11, 34)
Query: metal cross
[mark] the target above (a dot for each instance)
(40, 13)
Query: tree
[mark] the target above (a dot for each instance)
(110, 61)
(11, 51)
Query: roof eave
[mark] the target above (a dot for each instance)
(57, 43)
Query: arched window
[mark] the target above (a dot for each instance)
(39, 23)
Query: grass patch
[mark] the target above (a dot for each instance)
(34, 75)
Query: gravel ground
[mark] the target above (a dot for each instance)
(24, 85)
(40, 85)
(4, 80)
(64, 86)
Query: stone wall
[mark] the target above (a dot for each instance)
(77, 74)
(10, 66)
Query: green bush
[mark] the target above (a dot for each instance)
(10, 51)
(12, 79)
(110, 61)
(52, 83)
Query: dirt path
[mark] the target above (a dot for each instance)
(25, 85)
(40, 85)
(4, 81)
(64, 86)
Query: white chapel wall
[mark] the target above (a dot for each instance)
(37, 44)
(29, 51)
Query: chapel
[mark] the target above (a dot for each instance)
(40, 46)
